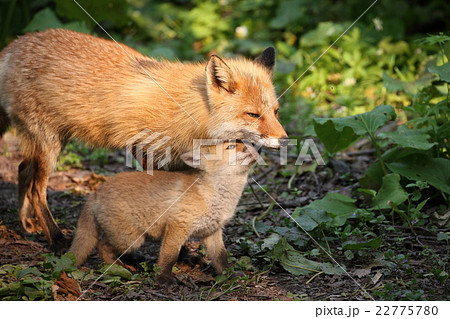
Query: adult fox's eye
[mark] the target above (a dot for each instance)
(253, 115)
(230, 147)
(276, 111)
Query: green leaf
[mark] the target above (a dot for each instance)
(115, 270)
(59, 264)
(412, 87)
(292, 234)
(390, 191)
(434, 171)
(34, 271)
(443, 71)
(373, 177)
(391, 84)
(406, 137)
(334, 140)
(336, 133)
(353, 245)
(44, 19)
(339, 206)
(309, 218)
(294, 262)
(270, 241)
(443, 236)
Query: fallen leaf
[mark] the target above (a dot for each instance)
(65, 288)
(377, 277)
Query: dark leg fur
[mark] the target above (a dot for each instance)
(33, 210)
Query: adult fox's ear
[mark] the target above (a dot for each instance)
(267, 59)
(219, 75)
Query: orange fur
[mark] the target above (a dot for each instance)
(58, 85)
(169, 207)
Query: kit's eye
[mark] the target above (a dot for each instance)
(276, 111)
(231, 146)
(253, 115)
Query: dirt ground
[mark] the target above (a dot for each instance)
(69, 189)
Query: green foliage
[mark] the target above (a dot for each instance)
(294, 262)
(115, 272)
(370, 244)
(338, 208)
(374, 74)
(339, 133)
(19, 283)
(75, 153)
(390, 193)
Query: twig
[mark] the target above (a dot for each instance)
(291, 180)
(263, 174)
(254, 194)
(262, 216)
(313, 277)
(363, 152)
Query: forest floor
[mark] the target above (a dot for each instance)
(369, 276)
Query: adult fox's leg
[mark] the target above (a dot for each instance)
(34, 213)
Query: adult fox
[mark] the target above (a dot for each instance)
(58, 85)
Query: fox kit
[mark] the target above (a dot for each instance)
(58, 85)
(168, 206)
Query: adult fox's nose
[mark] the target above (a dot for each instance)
(284, 141)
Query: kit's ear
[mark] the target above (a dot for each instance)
(188, 159)
(267, 59)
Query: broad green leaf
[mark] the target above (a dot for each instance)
(406, 137)
(339, 206)
(59, 264)
(335, 133)
(34, 271)
(44, 19)
(390, 191)
(443, 71)
(294, 235)
(353, 245)
(395, 85)
(334, 140)
(434, 171)
(372, 177)
(294, 262)
(443, 236)
(309, 218)
(270, 241)
(116, 270)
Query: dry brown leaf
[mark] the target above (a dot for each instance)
(65, 288)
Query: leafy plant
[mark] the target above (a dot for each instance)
(31, 283)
